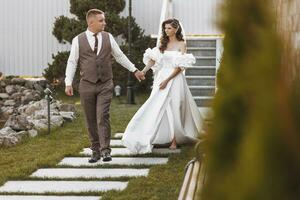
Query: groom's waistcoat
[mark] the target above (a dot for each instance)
(95, 67)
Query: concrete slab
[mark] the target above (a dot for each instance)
(118, 135)
(126, 152)
(40, 197)
(88, 173)
(83, 161)
(116, 142)
(41, 187)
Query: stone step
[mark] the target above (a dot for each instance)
(205, 61)
(41, 187)
(130, 161)
(202, 90)
(201, 80)
(200, 48)
(88, 173)
(201, 43)
(202, 52)
(40, 197)
(116, 142)
(203, 101)
(118, 135)
(201, 71)
(126, 152)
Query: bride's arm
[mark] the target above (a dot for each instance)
(148, 66)
(176, 71)
(164, 83)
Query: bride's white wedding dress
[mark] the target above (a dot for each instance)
(167, 113)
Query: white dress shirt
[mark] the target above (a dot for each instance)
(74, 55)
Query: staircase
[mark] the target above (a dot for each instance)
(202, 77)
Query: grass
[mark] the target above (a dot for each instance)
(43, 151)
(162, 183)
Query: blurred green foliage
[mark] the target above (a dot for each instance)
(253, 146)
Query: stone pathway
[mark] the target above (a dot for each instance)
(124, 164)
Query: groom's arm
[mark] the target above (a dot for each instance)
(71, 66)
(123, 60)
(120, 56)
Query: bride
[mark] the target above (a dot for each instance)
(170, 115)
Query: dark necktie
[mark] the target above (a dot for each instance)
(96, 44)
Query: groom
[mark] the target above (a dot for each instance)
(92, 51)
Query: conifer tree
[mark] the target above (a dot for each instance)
(65, 29)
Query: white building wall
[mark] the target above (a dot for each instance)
(197, 16)
(26, 39)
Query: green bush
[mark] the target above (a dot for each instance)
(65, 29)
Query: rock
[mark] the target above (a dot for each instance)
(18, 81)
(2, 84)
(27, 98)
(7, 131)
(42, 83)
(37, 97)
(29, 84)
(10, 89)
(68, 116)
(38, 87)
(30, 109)
(57, 120)
(18, 123)
(10, 102)
(32, 133)
(21, 134)
(39, 123)
(9, 140)
(17, 96)
(7, 111)
(4, 96)
(67, 107)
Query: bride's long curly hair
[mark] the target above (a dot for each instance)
(164, 40)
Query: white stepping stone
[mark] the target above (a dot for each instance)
(118, 135)
(83, 161)
(40, 197)
(126, 152)
(41, 187)
(88, 173)
(115, 142)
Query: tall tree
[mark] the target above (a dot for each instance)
(65, 29)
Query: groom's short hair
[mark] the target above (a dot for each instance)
(93, 12)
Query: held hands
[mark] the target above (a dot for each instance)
(69, 90)
(163, 84)
(139, 75)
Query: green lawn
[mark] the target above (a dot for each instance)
(20, 161)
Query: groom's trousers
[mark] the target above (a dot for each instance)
(95, 99)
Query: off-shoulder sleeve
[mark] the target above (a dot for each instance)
(185, 61)
(151, 54)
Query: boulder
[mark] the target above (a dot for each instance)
(10, 89)
(67, 107)
(10, 102)
(68, 116)
(57, 120)
(32, 133)
(4, 96)
(18, 123)
(39, 123)
(18, 81)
